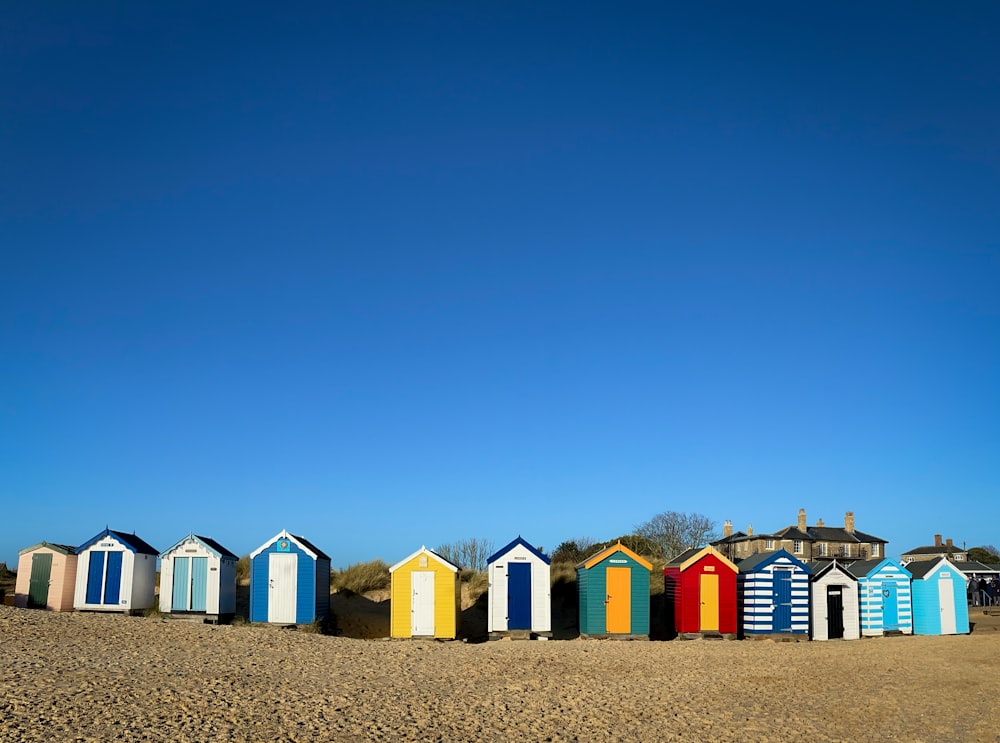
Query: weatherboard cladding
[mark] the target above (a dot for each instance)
(312, 579)
(592, 588)
(824, 575)
(33, 589)
(115, 571)
(213, 593)
(502, 600)
(939, 599)
(874, 580)
(682, 589)
(447, 603)
(757, 599)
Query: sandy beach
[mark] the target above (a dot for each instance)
(96, 677)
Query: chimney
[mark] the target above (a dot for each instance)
(849, 522)
(819, 522)
(727, 529)
(802, 519)
(749, 530)
(949, 544)
(937, 540)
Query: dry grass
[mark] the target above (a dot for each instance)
(243, 570)
(362, 577)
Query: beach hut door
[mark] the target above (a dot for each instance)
(618, 618)
(709, 594)
(282, 569)
(782, 600)
(834, 612)
(38, 585)
(946, 596)
(104, 577)
(890, 606)
(519, 595)
(422, 603)
(182, 584)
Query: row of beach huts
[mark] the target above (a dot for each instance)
(766, 594)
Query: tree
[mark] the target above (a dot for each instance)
(468, 554)
(574, 550)
(672, 532)
(987, 555)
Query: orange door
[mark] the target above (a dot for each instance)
(709, 602)
(619, 601)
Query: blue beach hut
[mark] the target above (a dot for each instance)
(289, 581)
(884, 597)
(939, 600)
(773, 594)
(115, 571)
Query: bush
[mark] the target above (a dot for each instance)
(361, 577)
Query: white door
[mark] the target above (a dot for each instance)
(946, 596)
(282, 570)
(422, 602)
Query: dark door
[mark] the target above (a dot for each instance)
(113, 579)
(95, 577)
(518, 595)
(834, 613)
(782, 600)
(38, 584)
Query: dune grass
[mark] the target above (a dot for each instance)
(361, 577)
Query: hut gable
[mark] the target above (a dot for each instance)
(520, 594)
(773, 594)
(834, 594)
(884, 597)
(116, 571)
(289, 581)
(700, 591)
(613, 591)
(198, 576)
(939, 598)
(46, 577)
(425, 596)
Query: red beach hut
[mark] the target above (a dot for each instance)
(700, 590)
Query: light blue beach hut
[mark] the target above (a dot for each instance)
(939, 600)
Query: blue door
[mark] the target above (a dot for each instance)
(518, 595)
(199, 583)
(113, 578)
(782, 601)
(182, 582)
(95, 577)
(890, 605)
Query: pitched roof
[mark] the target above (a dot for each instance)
(430, 553)
(923, 568)
(134, 543)
(971, 566)
(519, 541)
(932, 549)
(608, 551)
(302, 542)
(861, 568)
(819, 568)
(761, 559)
(207, 542)
(62, 548)
(309, 545)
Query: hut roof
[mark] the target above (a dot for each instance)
(688, 557)
(608, 551)
(923, 568)
(761, 559)
(134, 543)
(302, 542)
(207, 542)
(819, 568)
(430, 553)
(519, 541)
(62, 548)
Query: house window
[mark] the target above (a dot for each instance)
(769, 544)
(875, 550)
(821, 549)
(797, 546)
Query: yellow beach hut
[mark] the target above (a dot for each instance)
(425, 597)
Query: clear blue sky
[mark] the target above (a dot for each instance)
(392, 274)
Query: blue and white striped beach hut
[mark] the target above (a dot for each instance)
(884, 597)
(773, 594)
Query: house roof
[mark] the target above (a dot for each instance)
(430, 553)
(134, 543)
(62, 548)
(608, 551)
(519, 541)
(762, 559)
(971, 566)
(811, 534)
(939, 549)
(791, 532)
